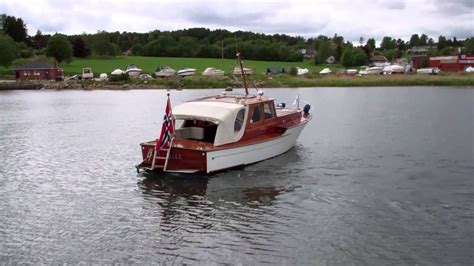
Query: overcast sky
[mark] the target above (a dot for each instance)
(350, 18)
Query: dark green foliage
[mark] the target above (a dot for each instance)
(79, 48)
(103, 44)
(59, 48)
(138, 50)
(469, 46)
(39, 41)
(388, 43)
(448, 51)
(359, 58)
(293, 71)
(24, 50)
(323, 52)
(442, 43)
(354, 57)
(8, 50)
(123, 77)
(371, 44)
(16, 28)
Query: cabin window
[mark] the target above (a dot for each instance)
(195, 129)
(239, 120)
(257, 114)
(268, 110)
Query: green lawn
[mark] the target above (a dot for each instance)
(149, 64)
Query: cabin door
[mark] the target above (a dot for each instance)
(17, 74)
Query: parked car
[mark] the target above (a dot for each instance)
(87, 73)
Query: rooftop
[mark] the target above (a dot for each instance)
(37, 65)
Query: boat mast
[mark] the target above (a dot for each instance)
(243, 75)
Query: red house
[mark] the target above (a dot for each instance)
(38, 71)
(452, 62)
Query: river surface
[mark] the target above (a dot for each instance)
(379, 176)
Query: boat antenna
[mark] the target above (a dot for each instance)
(243, 74)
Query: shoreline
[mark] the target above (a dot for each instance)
(258, 81)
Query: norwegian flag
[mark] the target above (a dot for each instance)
(167, 129)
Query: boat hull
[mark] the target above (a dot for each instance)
(183, 160)
(228, 158)
(133, 73)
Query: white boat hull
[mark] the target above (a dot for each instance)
(133, 73)
(223, 159)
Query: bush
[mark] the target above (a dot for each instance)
(123, 77)
(360, 59)
(293, 71)
(26, 53)
(60, 48)
(8, 50)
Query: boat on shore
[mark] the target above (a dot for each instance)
(375, 70)
(393, 69)
(301, 71)
(218, 132)
(428, 70)
(186, 72)
(325, 71)
(164, 71)
(133, 71)
(213, 72)
(246, 70)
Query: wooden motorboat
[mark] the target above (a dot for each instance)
(218, 132)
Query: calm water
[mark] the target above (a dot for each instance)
(379, 176)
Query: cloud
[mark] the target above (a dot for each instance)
(351, 19)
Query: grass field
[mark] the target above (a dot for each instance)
(149, 64)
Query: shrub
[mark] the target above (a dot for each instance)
(293, 71)
(123, 77)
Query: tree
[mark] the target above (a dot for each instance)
(346, 58)
(8, 51)
(79, 48)
(371, 44)
(323, 52)
(16, 28)
(414, 40)
(39, 41)
(388, 43)
(442, 42)
(448, 51)
(361, 41)
(59, 47)
(423, 40)
(469, 46)
(137, 49)
(359, 58)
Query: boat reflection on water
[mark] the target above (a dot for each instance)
(199, 205)
(250, 186)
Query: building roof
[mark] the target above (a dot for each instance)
(37, 65)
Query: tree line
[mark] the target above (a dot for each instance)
(206, 43)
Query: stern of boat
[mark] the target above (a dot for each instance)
(174, 159)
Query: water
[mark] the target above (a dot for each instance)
(379, 176)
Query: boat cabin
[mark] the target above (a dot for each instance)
(222, 119)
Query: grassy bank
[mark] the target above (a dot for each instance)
(149, 64)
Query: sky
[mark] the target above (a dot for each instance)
(309, 18)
